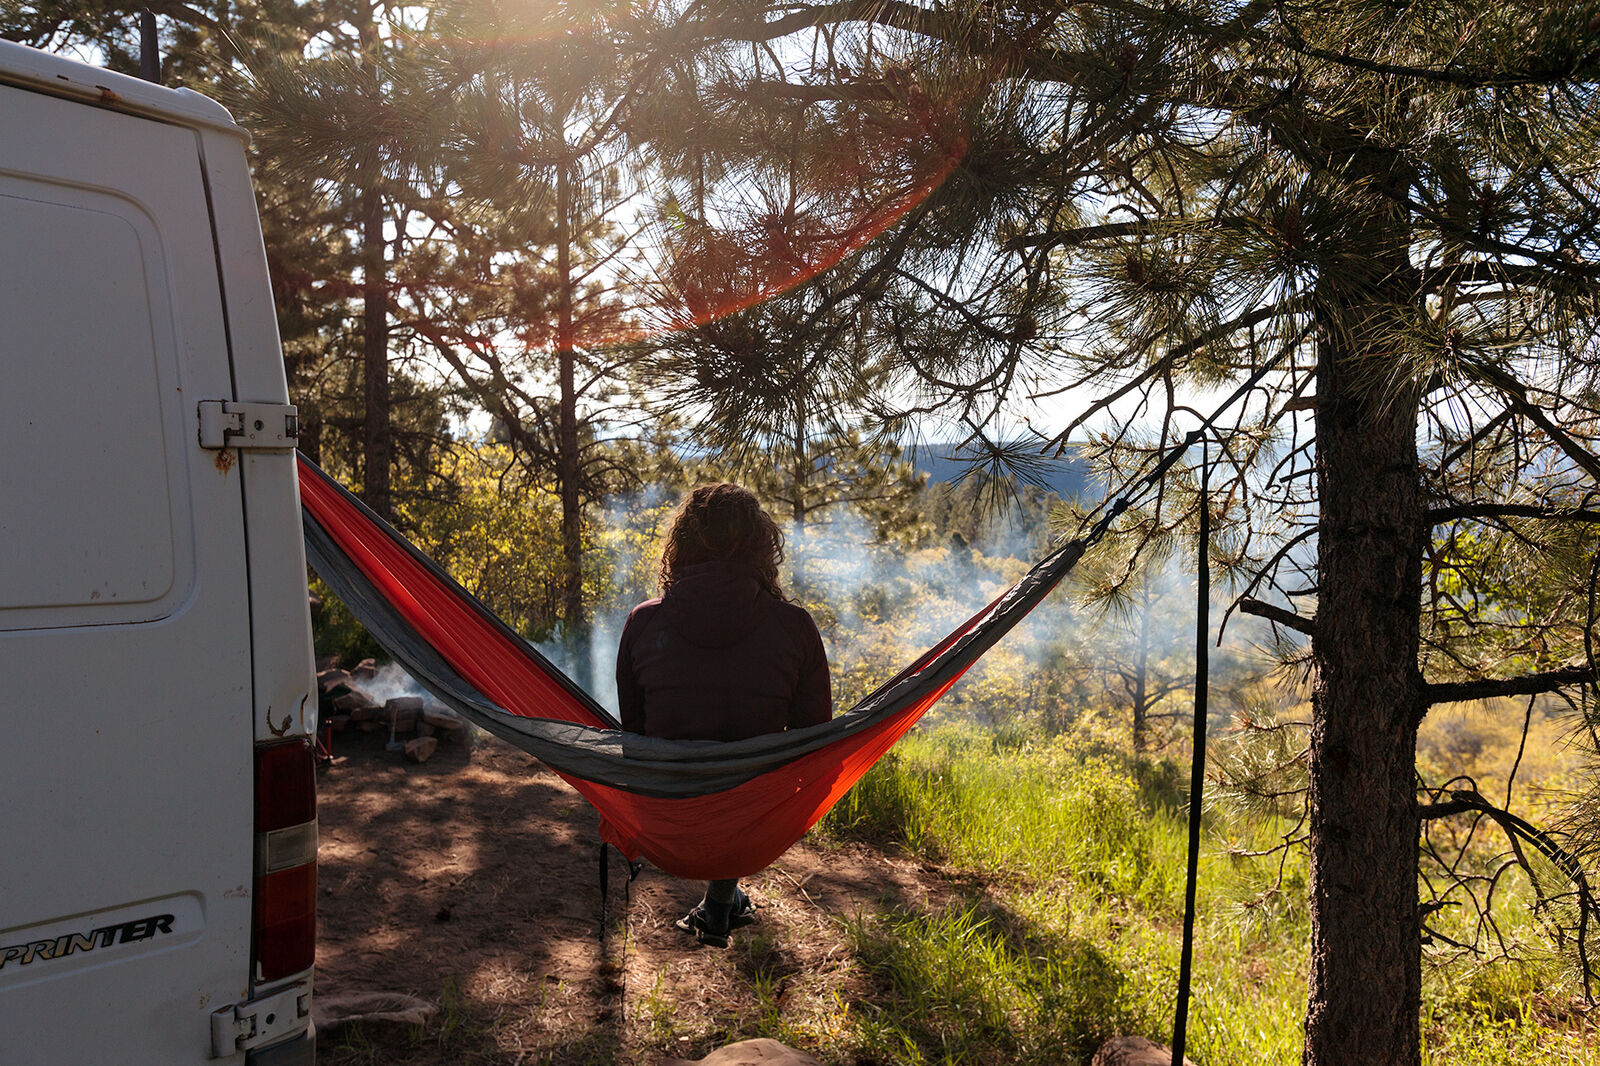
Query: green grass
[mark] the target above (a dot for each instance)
(971, 985)
(1078, 934)
(1021, 812)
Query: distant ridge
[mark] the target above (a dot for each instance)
(1067, 477)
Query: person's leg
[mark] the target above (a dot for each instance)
(717, 906)
(722, 892)
(741, 911)
(709, 920)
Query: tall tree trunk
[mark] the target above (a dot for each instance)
(375, 357)
(1141, 707)
(568, 466)
(375, 433)
(1365, 978)
(799, 469)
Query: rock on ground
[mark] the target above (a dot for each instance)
(329, 1011)
(1134, 1051)
(762, 1052)
(420, 749)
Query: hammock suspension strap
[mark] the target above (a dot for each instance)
(1197, 766)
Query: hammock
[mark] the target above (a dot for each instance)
(694, 809)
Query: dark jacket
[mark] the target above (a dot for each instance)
(718, 658)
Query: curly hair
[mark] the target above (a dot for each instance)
(723, 522)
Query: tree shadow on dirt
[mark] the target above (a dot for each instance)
(469, 881)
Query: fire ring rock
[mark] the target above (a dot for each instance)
(1134, 1051)
(402, 713)
(762, 1052)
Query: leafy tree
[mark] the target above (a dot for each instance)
(498, 533)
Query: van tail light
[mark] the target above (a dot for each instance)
(285, 901)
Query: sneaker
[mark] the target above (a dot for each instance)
(705, 927)
(744, 911)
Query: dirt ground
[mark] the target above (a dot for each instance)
(472, 882)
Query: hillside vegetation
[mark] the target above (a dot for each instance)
(1075, 934)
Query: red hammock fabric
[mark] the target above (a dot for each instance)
(729, 833)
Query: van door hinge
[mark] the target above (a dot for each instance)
(227, 424)
(260, 1021)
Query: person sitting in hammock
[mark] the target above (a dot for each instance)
(722, 654)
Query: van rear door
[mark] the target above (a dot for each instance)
(125, 668)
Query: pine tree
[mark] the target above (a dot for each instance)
(778, 395)
(533, 154)
(339, 114)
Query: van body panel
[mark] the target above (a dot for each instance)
(284, 694)
(20, 65)
(126, 779)
(280, 618)
(65, 947)
(120, 467)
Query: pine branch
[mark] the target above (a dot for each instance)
(1562, 262)
(1286, 618)
(1490, 688)
(1029, 59)
(1441, 515)
(1166, 363)
(1582, 69)
(938, 25)
(771, 93)
(180, 12)
(1509, 276)
(1514, 391)
(1430, 811)
(1071, 238)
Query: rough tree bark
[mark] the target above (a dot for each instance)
(1365, 978)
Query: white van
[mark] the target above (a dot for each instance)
(157, 701)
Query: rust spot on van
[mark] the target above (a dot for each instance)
(107, 96)
(278, 730)
(303, 700)
(225, 460)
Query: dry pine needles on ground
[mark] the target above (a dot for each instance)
(471, 881)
